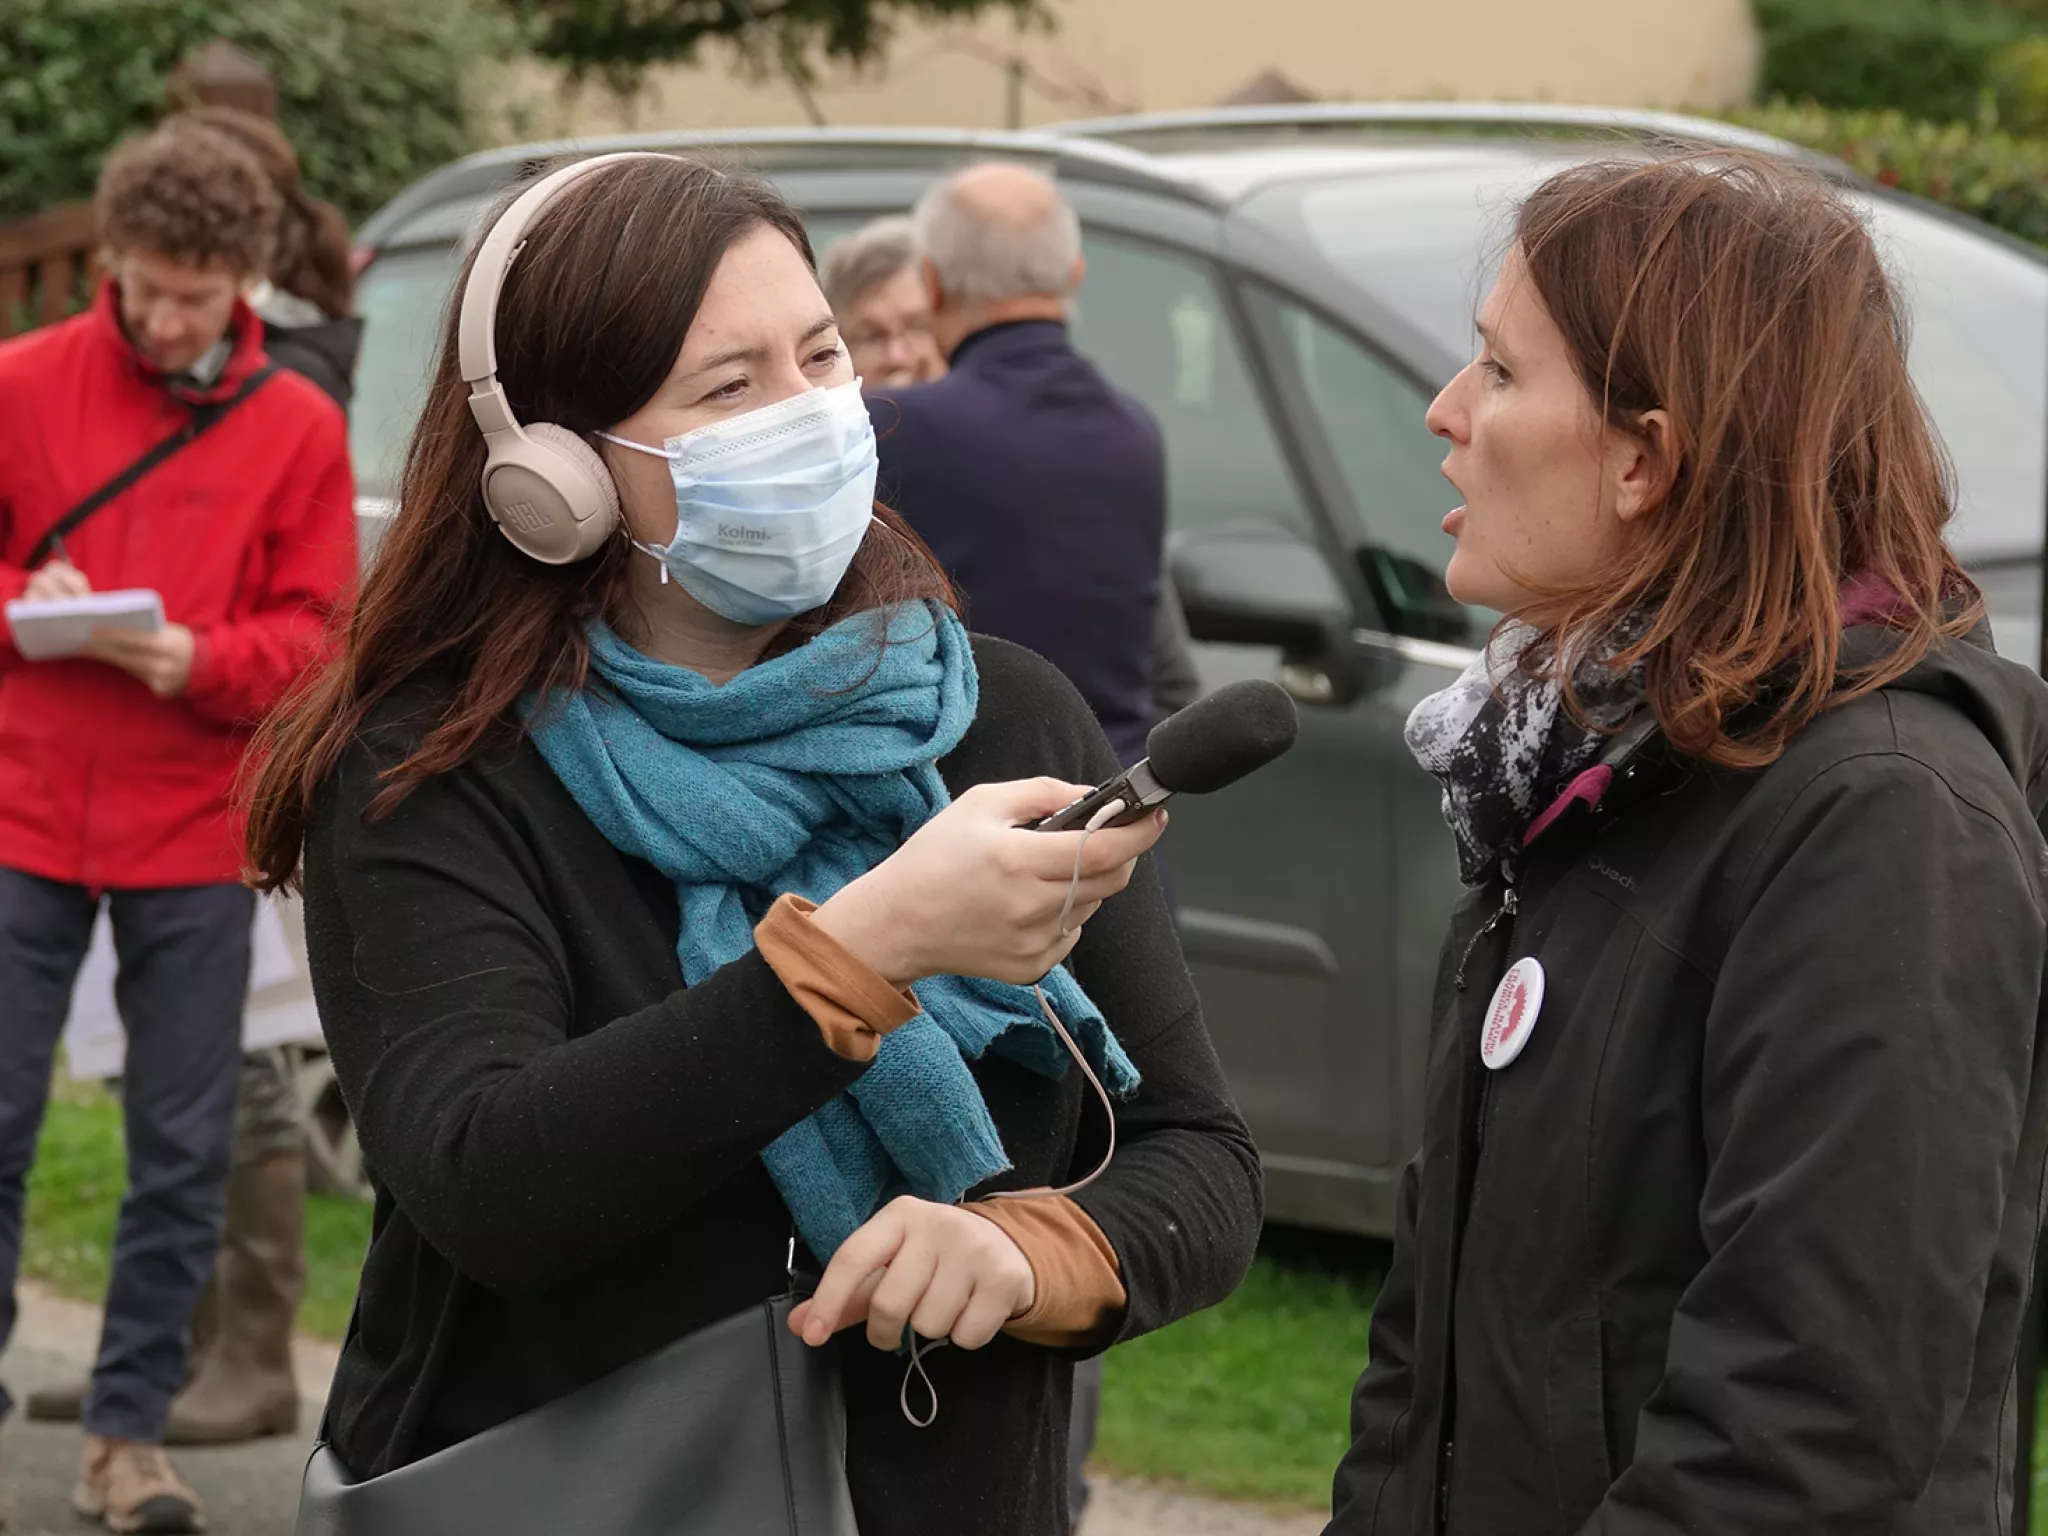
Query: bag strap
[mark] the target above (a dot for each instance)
(203, 418)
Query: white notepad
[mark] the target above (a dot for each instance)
(61, 626)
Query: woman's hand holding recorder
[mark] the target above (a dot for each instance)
(975, 893)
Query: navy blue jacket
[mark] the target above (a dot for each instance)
(1042, 489)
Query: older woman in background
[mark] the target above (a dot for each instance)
(871, 280)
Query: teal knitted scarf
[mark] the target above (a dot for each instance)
(801, 774)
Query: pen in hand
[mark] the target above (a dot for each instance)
(57, 577)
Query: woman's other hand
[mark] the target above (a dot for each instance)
(945, 1272)
(973, 893)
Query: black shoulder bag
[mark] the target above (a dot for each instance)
(737, 1429)
(204, 418)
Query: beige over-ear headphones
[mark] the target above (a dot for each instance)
(544, 486)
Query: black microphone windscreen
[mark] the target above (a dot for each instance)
(1219, 739)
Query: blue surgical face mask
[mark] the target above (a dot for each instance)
(771, 507)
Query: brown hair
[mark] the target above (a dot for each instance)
(1744, 297)
(188, 194)
(311, 258)
(588, 326)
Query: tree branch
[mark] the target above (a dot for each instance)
(620, 37)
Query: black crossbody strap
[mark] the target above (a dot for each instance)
(202, 418)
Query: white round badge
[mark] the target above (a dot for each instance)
(1511, 1016)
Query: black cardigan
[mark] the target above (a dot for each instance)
(564, 1141)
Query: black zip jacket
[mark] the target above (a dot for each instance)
(1740, 1242)
(324, 353)
(565, 1141)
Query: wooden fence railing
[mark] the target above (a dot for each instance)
(49, 261)
(48, 266)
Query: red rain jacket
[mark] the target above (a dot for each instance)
(249, 535)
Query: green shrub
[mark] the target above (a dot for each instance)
(1926, 58)
(1987, 173)
(370, 91)
(2019, 84)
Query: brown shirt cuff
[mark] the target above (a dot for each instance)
(847, 998)
(1080, 1296)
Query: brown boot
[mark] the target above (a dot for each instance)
(65, 1402)
(61, 1404)
(242, 1386)
(129, 1487)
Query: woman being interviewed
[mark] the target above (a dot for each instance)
(562, 822)
(1735, 1120)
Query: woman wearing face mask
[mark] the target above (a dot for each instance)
(1732, 1157)
(563, 822)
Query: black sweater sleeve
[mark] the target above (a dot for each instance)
(521, 1154)
(1183, 1200)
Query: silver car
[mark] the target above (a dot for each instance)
(1286, 289)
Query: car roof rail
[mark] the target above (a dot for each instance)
(771, 150)
(1334, 117)
(1230, 127)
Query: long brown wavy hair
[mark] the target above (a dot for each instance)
(589, 323)
(1744, 297)
(311, 256)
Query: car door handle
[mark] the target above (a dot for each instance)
(1430, 653)
(1310, 682)
(1335, 680)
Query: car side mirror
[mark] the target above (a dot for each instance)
(1412, 598)
(1259, 584)
(1263, 584)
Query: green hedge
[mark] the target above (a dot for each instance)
(370, 91)
(1992, 175)
(1931, 59)
(2019, 85)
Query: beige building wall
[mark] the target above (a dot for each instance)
(1106, 56)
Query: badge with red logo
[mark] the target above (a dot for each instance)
(1511, 1016)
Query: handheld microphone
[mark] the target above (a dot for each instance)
(1215, 741)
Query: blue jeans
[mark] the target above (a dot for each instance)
(182, 981)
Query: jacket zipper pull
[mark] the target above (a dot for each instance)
(1507, 907)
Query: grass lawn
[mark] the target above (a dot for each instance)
(75, 1190)
(1248, 1400)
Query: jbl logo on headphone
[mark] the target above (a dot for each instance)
(524, 516)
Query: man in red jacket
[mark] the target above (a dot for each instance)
(118, 762)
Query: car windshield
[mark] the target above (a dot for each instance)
(1426, 243)
(401, 298)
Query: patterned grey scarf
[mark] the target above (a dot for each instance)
(1503, 745)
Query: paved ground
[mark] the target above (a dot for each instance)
(253, 1490)
(1132, 1509)
(249, 1490)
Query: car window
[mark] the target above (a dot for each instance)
(1154, 323)
(824, 228)
(1979, 350)
(401, 298)
(1372, 417)
(1424, 245)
